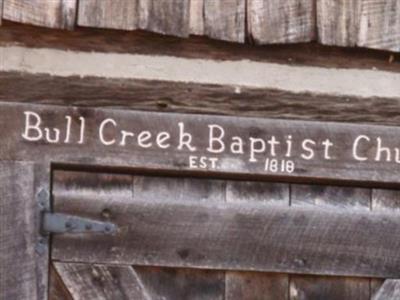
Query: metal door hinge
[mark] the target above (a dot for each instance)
(63, 223)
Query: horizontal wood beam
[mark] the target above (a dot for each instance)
(234, 236)
(201, 144)
(193, 98)
(139, 42)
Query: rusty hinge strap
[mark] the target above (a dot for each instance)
(63, 223)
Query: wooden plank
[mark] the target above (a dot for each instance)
(54, 14)
(19, 261)
(345, 199)
(331, 197)
(57, 288)
(1, 11)
(163, 283)
(197, 17)
(329, 288)
(380, 25)
(194, 98)
(141, 42)
(225, 20)
(390, 290)
(82, 184)
(116, 14)
(281, 21)
(338, 22)
(251, 285)
(171, 284)
(302, 150)
(169, 17)
(150, 188)
(259, 237)
(92, 282)
(384, 201)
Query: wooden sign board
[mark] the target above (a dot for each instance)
(201, 143)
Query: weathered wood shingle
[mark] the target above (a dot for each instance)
(54, 13)
(338, 22)
(165, 16)
(225, 20)
(365, 23)
(117, 14)
(275, 21)
(380, 24)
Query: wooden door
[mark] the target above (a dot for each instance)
(204, 238)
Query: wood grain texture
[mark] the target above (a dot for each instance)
(251, 285)
(200, 233)
(272, 22)
(57, 288)
(195, 99)
(256, 286)
(1, 11)
(92, 282)
(171, 283)
(338, 22)
(329, 288)
(185, 284)
(331, 198)
(197, 17)
(225, 20)
(115, 14)
(19, 278)
(141, 42)
(380, 25)
(340, 166)
(384, 201)
(149, 188)
(169, 17)
(53, 14)
(390, 290)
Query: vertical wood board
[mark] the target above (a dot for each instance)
(1, 11)
(338, 22)
(225, 20)
(172, 283)
(278, 21)
(330, 198)
(19, 277)
(197, 17)
(384, 201)
(380, 25)
(54, 13)
(185, 284)
(329, 288)
(169, 17)
(252, 285)
(115, 14)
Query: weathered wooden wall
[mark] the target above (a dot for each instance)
(365, 23)
(75, 280)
